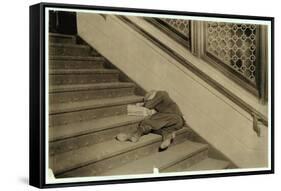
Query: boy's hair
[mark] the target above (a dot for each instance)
(150, 95)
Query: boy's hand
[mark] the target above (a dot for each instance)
(140, 104)
(153, 111)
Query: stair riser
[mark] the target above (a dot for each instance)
(180, 138)
(69, 51)
(62, 40)
(63, 97)
(67, 79)
(83, 115)
(57, 147)
(100, 167)
(184, 164)
(76, 64)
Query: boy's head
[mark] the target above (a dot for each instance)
(150, 95)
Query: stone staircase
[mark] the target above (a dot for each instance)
(88, 108)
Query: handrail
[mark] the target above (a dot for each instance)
(245, 106)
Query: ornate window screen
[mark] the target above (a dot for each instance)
(179, 29)
(235, 45)
(181, 25)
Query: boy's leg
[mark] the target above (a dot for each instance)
(143, 128)
(169, 132)
(166, 124)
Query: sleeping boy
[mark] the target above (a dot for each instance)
(166, 120)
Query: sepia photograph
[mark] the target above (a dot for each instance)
(146, 94)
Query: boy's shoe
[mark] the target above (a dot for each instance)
(167, 142)
(123, 137)
(133, 137)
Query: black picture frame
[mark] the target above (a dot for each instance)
(37, 157)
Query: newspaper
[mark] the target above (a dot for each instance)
(137, 110)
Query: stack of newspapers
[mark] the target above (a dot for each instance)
(136, 110)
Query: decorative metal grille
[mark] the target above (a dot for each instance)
(234, 45)
(180, 25)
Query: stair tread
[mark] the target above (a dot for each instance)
(83, 71)
(160, 160)
(93, 153)
(94, 58)
(96, 103)
(86, 155)
(78, 87)
(61, 35)
(81, 128)
(209, 164)
(66, 45)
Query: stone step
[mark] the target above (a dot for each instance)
(65, 113)
(60, 49)
(162, 160)
(82, 76)
(76, 135)
(76, 62)
(101, 157)
(82, 92)
(209, 164)
(62, 38)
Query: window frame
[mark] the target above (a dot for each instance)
(199, 46)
